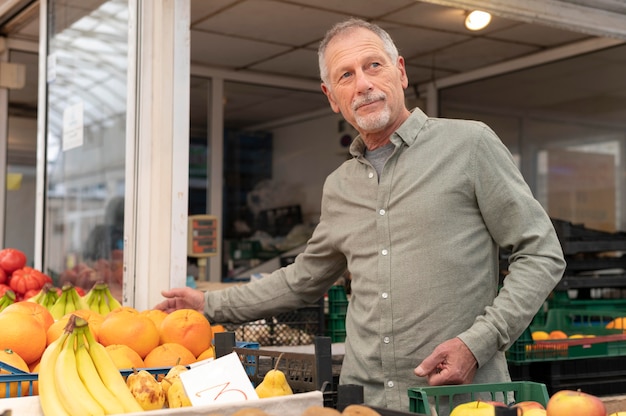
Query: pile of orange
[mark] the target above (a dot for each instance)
(134, 339)
(158, 338)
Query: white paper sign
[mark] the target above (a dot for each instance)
(73, 126)
(223, 380)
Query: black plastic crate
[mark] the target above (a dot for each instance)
(597, 376)
(297, 327)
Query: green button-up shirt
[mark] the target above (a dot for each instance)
(421, 243)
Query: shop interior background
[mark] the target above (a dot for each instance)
(564, 121)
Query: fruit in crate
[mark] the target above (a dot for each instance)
(12, 259)
(474, 408)
(125, 325)
(187, 327)
(100, 299)
(146, 390)
(359, 410)
(534, 412)
(527, 405)
(93, 318)
(274, 383)
(69, 301)
(23, 333)
(46, 297)
(575, 403)
(124, 357)
(172, 375)
(176, 395)
(77, 377)
(617, 323)
(13, 359)
(7, 298)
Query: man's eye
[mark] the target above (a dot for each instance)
(375, 64)
(345, 75)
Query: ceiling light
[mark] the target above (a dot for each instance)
(477, 20)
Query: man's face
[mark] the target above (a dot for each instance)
(363, 83)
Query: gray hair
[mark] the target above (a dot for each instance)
(346, 27)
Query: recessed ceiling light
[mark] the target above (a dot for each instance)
(477, 20)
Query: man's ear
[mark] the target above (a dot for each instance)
(402, 68)
(331, 100)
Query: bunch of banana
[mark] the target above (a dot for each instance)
(77, 377)
(47, 296)
(100, 299)
(7, 299)
(69, 301)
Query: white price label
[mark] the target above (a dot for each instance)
(222, 380)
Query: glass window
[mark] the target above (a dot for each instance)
(86, 122)
(21, 160)
(564, 122)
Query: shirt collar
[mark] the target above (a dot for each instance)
(406, 133)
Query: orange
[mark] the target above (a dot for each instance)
(557, 334)
(206, 354)
(156, 315)
(217, 328)
(189, 328)
(24, 334)
(540, 335)
(94, 320)
(40, 312)
(169, 355)
(124, 357)
(617, 323)
(123, 326)
(123, 309)
(8, 356)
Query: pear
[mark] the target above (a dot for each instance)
(176, 395)
(146, 389)
(172, 375)
(274, 383)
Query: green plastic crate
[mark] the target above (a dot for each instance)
(444, 398)
(586, 322)
(561, 299)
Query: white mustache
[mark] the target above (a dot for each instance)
(369, 98)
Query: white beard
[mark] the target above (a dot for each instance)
(375, 121)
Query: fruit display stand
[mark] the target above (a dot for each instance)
(438, 400)
(593, 361)
(292, 405)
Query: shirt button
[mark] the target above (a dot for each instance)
(385, 295)
(381, 212)
(384, 252)
(390, 383)
(370, 175)
(386, 340)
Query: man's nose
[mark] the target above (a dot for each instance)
(363, 81)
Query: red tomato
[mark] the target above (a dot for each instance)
(12, 259)
(30, 293)
(3, 289)
(26, 279)
(3, 276)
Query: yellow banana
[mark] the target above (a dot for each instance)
(75, 302)
(103, 305)
(110, 374)
(113, 303)
(73, 393)
(51, 404)
(58, 309)
(90, 378)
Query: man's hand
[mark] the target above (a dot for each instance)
(181, 298)
(450, 363)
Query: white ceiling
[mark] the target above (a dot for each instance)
(280, 38)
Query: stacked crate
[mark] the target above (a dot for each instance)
(596, 275)
(337, 309)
